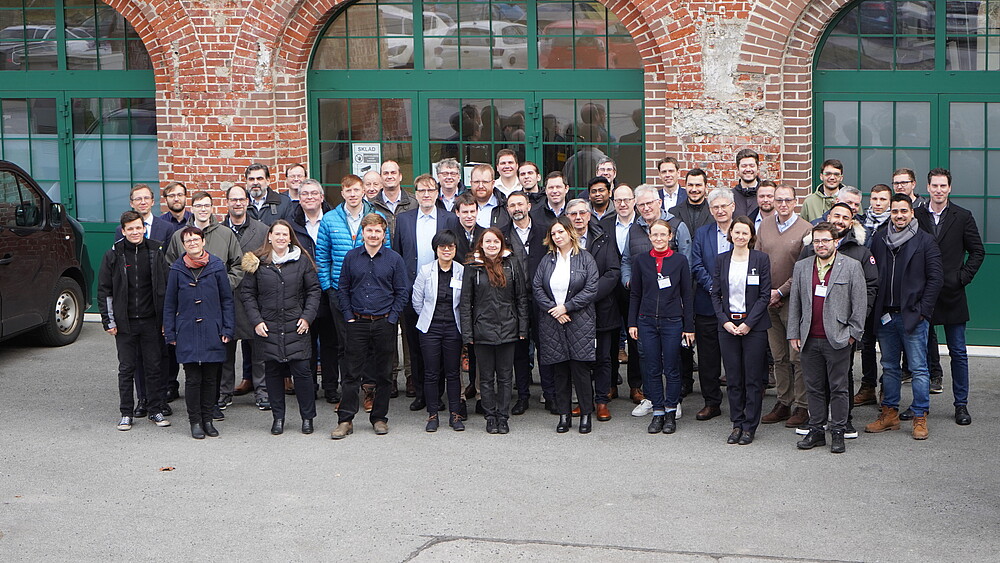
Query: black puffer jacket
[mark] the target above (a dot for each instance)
(575, 340)
(605, 252)
(278, 296)
(494, 315)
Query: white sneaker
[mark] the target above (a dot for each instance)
(643, 408)
(678, 415)
(125, 423)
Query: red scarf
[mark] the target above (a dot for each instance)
(660, 256)
(195, 263)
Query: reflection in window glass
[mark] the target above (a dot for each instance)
(473, 130)
(114, 147)
(578, 133)
(28, 139)
(882, 35)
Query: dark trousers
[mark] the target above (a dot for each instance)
(305, 391)
(546, 378)
(601, 367)
(824, 367)
(375, 338)
(522, 368)
(324, 346)
(412, 336)
(340, 327)
(442, 344)
(633, 369)
(170, 368)
(201, 382)
(253, 369)
(227, 375)
(745, 358)
(496, 374)
(869, 361)
(570, 375)
(144, 340)
(709, 359)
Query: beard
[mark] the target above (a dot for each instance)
(256, 192)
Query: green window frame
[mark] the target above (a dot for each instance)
(881, 113)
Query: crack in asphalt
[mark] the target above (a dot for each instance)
(435, 540)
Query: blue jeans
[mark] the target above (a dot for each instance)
(659, 348)
(893, 339)
(954, 334)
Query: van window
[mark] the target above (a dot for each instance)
(19, 206)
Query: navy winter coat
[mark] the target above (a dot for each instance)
(198, 312)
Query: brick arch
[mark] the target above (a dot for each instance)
(286, 31)
(780, 41)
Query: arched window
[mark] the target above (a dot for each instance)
(77, 104)
(913, 84)
(419, 82)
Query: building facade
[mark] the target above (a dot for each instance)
(96, 96)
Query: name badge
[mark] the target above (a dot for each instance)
(753, 280)
(456, 283)
(821, 290)
(663, 282)
(886, 318)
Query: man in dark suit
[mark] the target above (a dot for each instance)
(466, 210)
(910, 279)
(412, 240)
(142, 200)
(710, 241)
(962, 253)
(602, 247)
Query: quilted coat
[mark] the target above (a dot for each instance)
(577, 339)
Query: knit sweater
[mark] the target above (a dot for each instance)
(782, 248)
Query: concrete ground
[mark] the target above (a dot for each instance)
(73, 488)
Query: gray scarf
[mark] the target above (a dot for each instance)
(895, 239)
(293, 253)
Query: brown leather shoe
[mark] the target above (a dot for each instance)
(575, 411)
(636, 394)
(613, 393)
(708, 413)
(920, 427)
(411, 389)
(381, 428)
(369, 400)
(243, 388)
(778, 413)
(622, 356)
(799, 417)
(603, 414)
(289, 386)
(864, 396)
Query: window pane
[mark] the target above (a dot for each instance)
(333, 124)
(331, 54)
(915, 53)
(876, 124)
(839, 52)
(850, 159)
(875, 167)
(967, 125)
(993, 125)
(913, 124)
(914, 159)
(840, 123)
(876, 53)
(968, 173)
(993, 221)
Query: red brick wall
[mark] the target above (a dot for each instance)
(230, 79)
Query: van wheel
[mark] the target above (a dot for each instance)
(65, 315)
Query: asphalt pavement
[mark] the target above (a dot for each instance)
(73, 488)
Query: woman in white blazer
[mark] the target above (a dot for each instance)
(437, 292)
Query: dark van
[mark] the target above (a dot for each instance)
(42, 278)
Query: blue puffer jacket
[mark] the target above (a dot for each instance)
(197, 313)
(334, 241)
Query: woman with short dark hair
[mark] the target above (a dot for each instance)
(198, 317)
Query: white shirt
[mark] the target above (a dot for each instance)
(559, 282)
(935, 214)
(523, 234)
(148, 223)
(738, 285)
(392, 204)
(621, 232)
(670, 200)
(312, 227)
(583, 239)
(498, 184)
(449, 203)
(426, 229)
(486, 211)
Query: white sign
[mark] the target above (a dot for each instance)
(365, 158)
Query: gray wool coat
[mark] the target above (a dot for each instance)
(577, 339)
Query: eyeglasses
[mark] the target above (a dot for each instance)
(142, 198)
(832, 174)
(202, 206)
(309, 195)
(904, 183)
(822, 241)
(453, 173)
(646, 204)
(622, 200)
(236, 200)
(175, 196)
(720, 207)
(426, 190)
(482, 182)
(784, 199)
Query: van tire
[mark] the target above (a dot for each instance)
(65, 314)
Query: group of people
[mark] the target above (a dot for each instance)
(510, 273)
